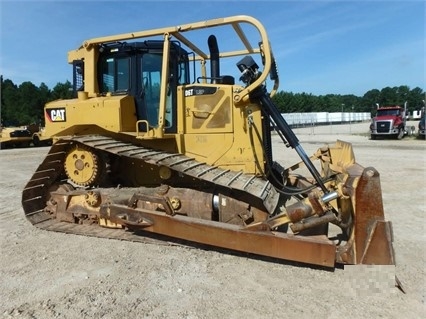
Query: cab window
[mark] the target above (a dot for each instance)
(116, 75)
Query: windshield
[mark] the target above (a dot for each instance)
(390, 112)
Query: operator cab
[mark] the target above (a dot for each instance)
(135, 69)
(116, 75)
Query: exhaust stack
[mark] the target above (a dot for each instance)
(214, 59)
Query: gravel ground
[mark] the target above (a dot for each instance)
(52, 275)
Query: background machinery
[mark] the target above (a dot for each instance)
(390, 121)
(160, 141)
(14, 136)
(23, 136)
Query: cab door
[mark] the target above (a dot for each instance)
(148, 86)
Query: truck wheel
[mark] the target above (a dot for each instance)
(400, 134)
(373, 137)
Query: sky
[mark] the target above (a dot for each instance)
(321, 47)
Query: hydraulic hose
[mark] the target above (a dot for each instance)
(270, 108)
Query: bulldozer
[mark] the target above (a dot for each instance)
(23, 136)
(17, 136)
(160, 143)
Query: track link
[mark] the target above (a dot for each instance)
(50, 171)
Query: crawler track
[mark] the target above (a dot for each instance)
(50, 172)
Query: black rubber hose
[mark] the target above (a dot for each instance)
(269, 107)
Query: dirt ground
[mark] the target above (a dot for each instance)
(52, 275)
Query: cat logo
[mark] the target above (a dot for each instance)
(56, 115)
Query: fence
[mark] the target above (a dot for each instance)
(324, 118)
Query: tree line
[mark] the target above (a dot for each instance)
(289, 102)
(23, 104)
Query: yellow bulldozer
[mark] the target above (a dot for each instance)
(23, 136)
(159, 142)
(17, 136)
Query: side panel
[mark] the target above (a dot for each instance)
(217, 132)
(114, 113)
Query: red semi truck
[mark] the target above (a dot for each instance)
(390, 121)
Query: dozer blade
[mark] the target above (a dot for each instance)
(266, 243)
(371, 239)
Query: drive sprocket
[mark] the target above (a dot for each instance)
(83, 166)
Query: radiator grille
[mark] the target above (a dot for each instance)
(383, 126)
